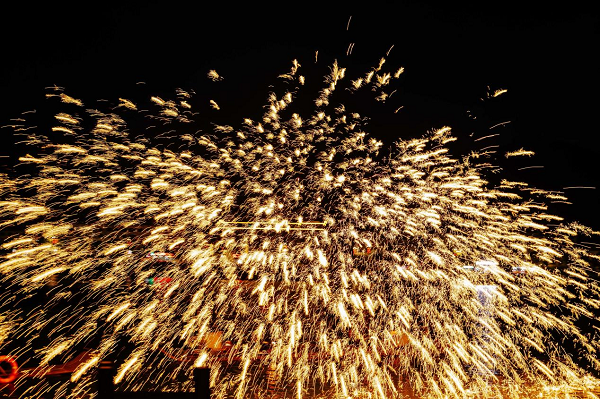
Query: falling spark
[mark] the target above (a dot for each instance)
(214, 76)
(499, 124)
(487, 137)
(519, 153)
(350, 47)
(124, 368)
(532, 167)
(214, 105)
(83, 368)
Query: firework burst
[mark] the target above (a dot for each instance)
(293, 255)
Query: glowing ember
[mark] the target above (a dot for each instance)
(295, 247)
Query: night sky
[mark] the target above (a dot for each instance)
(544, 57)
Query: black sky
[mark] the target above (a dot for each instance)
(543, 56)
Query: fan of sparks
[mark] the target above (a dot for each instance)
(294, 247)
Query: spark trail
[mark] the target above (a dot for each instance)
(363, 272)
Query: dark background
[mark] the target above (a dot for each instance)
(544, 56)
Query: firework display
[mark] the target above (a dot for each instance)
(295, 255)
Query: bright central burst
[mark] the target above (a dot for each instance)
(290, 255)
